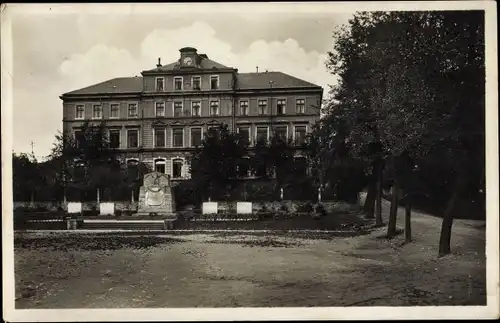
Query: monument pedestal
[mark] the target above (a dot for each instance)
(156, 197)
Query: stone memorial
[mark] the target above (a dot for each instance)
(156, 196)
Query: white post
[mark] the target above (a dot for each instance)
(132, 196)
(98, 197)
(319, 194)
(281, 193)
(64, 196)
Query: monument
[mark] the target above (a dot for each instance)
(156, 197)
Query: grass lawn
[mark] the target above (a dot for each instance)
(113, 270)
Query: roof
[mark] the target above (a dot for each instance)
(205, 63)
(116, 85)
(247, 81)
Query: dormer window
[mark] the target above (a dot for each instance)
(214, 82)
(178, 83)
(160, 84)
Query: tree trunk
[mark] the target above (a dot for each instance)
(378, 197)
(407, 220)
(369, 207)
(32, 198)
(445, 237)
(391, 228)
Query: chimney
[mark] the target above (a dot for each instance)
(257, 69)
(159, 62)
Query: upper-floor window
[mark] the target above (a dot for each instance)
(97, 111)
(178, 137)
(300, 135)
(132, 138)
(114, 110)
(244, 108)
(178, 109)
(214, 82)
(196, 137)
(114, 138)
(160, 109)
(196, 82)
(160, 84)
(80, 112)
(160, 137)
(300, 106)
(262, 107)
(280, 106)
(214, 108)
(262, 133)
(196, 108)
(281, 132)
(132, 110)
(178, 83)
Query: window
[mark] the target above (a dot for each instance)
(132, 138)
(177, 168)
(245, 134)
(244, 108)
(214, 108)
(80, 112)
(214, 82)
(177, 83)
(114, 110)
(262, 107)
(300, 135)
(262, 134)
(300, 106)
(196, 82)
(196, 108)
(133, 169)
(160, 165)
(79, 139)
(160, 82)
(97, 112)
(160, 109)
(160, 135)
(132, 110)
(177, 109)
(280, 106)
(114, 138)
(196, 134)
(281, 132)
(178, 137)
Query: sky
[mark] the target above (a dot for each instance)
(56, 51)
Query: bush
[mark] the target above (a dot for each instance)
(320, 209)
(306, 208)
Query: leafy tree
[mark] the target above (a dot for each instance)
(214, 165)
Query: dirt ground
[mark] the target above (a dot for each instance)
(249, 270)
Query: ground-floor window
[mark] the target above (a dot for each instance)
(160, 166)
(177, 168)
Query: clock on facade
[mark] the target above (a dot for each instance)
(188, 61)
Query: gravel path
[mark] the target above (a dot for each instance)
(248, 270)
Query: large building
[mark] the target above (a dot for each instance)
(160, 117)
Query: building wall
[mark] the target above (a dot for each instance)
(226, 81)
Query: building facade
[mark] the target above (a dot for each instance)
(161, 117)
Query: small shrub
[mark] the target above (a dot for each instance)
(320, 210)
(306, 208)
(118, 213)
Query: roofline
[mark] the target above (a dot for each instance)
(191, 71)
